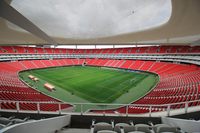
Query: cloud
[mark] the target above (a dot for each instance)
(93, 18)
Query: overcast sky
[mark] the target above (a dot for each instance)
(93, 18)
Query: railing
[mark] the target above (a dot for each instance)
(17, 106)
(108, 109)
(188, 58)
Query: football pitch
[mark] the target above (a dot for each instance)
(92, 84)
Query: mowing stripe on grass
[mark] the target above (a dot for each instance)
(95, 84)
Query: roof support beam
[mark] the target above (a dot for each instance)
(9, 13)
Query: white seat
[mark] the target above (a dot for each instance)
(106, 131)
(102, 126)
(164, 128)
(143, 128)
(18, 120)
(2, 126)
(126, 127)
(4, 120)
(136, 132)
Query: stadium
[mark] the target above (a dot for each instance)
(97, 66)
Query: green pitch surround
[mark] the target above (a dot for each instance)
(86, 84)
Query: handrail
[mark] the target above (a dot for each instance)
(167, 110)
(143, 56)
(100, 53)
(101, 104)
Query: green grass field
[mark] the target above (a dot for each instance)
(92, 84)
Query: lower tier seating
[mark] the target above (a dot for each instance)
(178, 83)
(13, 90)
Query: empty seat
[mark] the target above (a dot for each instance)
(17, 120)
(101, 126)
(136, 132)
(106, 131)
(143, 127)
(2, 126)
(162, 128)
(125, 127)
(4, 121)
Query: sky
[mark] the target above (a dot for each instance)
(86, 19)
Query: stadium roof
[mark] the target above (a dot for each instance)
(104, 22)
(87, 19)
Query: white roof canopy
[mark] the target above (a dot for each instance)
(85, 19)
(106, 21)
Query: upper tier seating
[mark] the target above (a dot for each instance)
(133, 50)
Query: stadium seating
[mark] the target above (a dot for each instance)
(6, 122)
(178, 82)
(112, 127)
(134, 50)
(181, 87)
(13, 90)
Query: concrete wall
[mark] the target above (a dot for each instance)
(189, 126)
